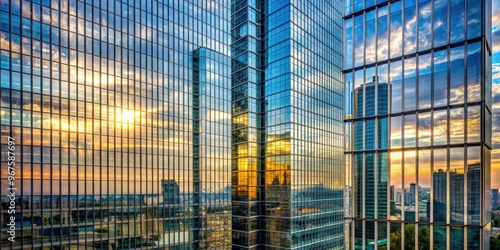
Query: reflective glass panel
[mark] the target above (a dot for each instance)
(396, 29)
(457, 183)
(410, 27)
(440, 22)
(440, 78)
(439, 184)
(424, 25)
(424, 185)
(396, 85)
(474, 72)
(410, 81)
(395, 186)
(383, 34)
(424, 81)
(457, 92)
(440, 127)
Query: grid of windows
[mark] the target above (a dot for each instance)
(417, 80)
(99, 97)
(287, 128)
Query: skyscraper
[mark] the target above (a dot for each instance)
(120, 115)
(423, 120)
(287, 179)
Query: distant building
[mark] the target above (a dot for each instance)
(494, 198)
(413, 192)
(439, 184)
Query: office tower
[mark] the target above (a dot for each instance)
(120, 111)
(494, 198)
(418, 112)
(413, 192)
(287, 178)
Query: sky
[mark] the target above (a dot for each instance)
(495, 159)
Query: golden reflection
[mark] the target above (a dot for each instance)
(395, 168)
(410, 168)
(125, 116)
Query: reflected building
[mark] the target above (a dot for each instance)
(418, 123)
(494, 198)
(121, 115)
(287, 174)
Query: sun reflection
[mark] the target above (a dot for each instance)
(125, 116)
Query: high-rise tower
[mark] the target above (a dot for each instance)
(422, 128)
(287, 124)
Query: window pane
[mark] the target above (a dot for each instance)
(473, 185)
(424, 184)
(410, 84)
(474, 72)
(383, 90)
(439, 237)
(473, 19)
(473, 124)
(457, 7)
(440, 78)
(383, 174)
(396, 43)
(424, 81)
(396, 188)
(440, 128)
(424, 237)
(383, 138)
(396, 86)
(439, 184)
(457, 75)
(370, 186)
(424, 25)
(457, 185)
(358, 185)
(382, 46)
(396, 132)
(348, 43)
(371, 81)
(410, 183)
(371, 48)
(440, 22)
(410, 130)
(457, 126)
(359, 43)
(410, 36)
(370, 134)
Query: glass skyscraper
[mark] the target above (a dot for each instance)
(287, 166)
(120, 112)
(418, 123)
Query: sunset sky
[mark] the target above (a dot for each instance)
(495, 172)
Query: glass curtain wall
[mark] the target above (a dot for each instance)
(418, 123)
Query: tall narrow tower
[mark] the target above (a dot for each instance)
(287, 177)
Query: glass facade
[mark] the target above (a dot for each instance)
(287, 167)
(418, 123)
(120, 111)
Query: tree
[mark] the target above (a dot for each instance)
(423, 238)
(495, 243)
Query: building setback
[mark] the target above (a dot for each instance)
(418, 123)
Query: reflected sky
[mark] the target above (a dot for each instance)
(495, 157)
